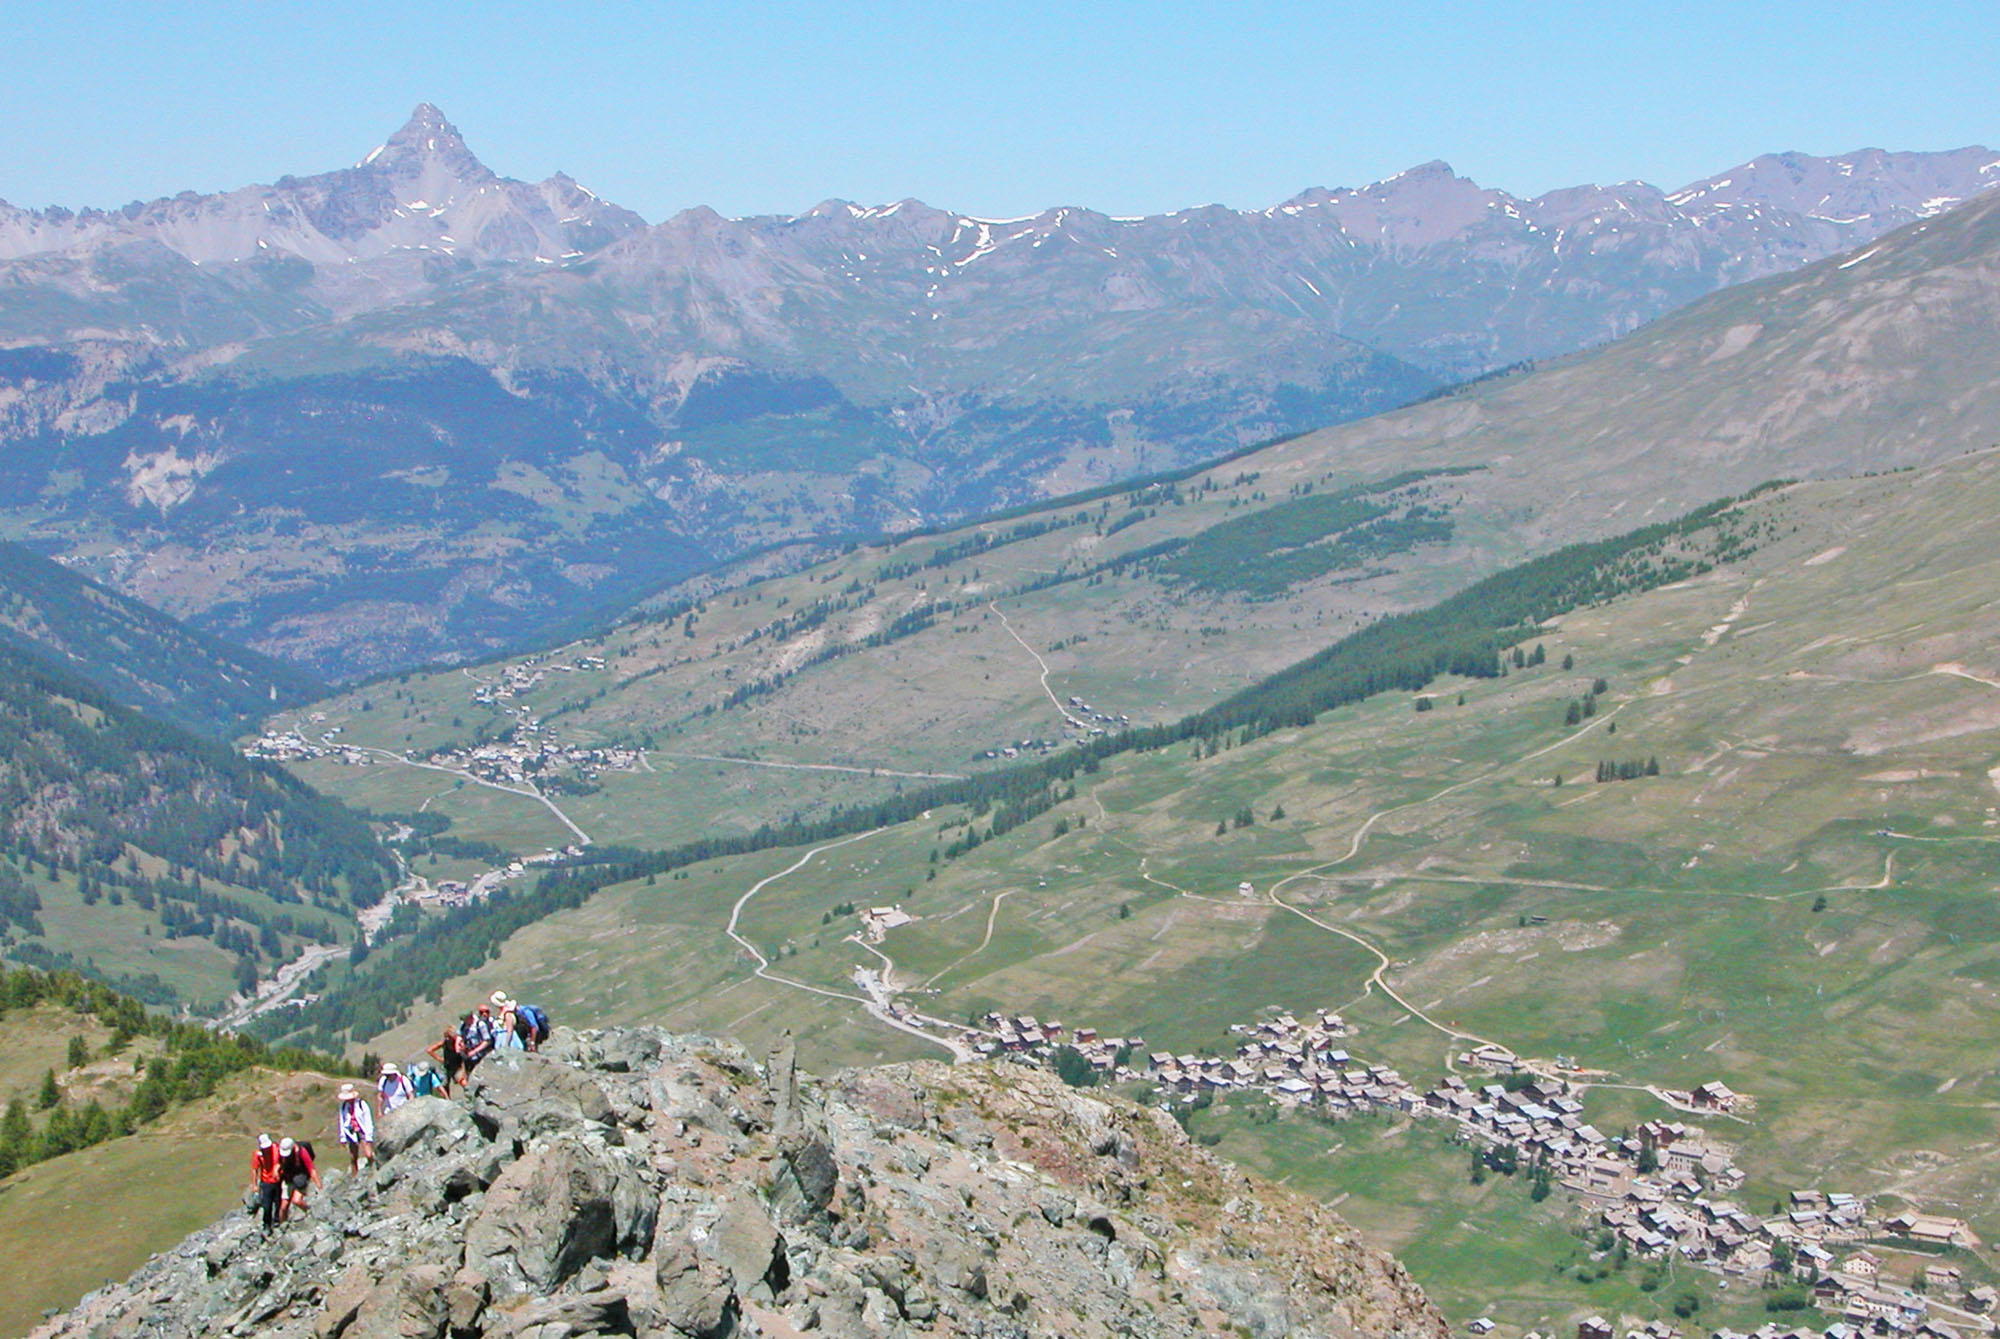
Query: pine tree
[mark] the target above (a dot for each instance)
(16, 1138)
(79, 1052)
(58, 1135)
(50, 1094)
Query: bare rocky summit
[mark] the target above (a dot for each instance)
(638, 1183)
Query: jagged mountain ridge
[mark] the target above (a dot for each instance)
(424, 201)
(412, 410)
(638, 1183)
(422, 198)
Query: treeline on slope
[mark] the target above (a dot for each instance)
(1466, 634)
(1308, 535)
(1263, 555)
(139, 655)
(111, 806)
(191, 1063)
(634, 609)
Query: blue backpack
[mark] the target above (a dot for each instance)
(534, 1022)
(426, 1083)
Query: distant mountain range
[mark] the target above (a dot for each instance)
(413, 409)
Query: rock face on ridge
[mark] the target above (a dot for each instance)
(638, 1183)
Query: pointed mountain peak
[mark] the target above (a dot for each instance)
(427, 138)
(427, 131)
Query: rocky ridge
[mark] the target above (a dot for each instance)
(638, 1183)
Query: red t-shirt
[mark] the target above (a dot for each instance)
(264, 1162)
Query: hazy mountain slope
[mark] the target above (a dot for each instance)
(137, 654)
(418, 395)
(932, 655)
(1877, 361)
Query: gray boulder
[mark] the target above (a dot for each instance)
(695, 1296)
(746, 1243)
(518, 1095)
(432, 1124)
(557, 1208)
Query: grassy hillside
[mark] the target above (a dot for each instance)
(147, 1137)
(115, 1204)
(1729, 821)
(1799, 903)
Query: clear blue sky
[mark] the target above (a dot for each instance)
(995, 108)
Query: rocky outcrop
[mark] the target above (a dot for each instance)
(637, 1183)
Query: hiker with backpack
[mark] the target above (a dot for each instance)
(476, 1038)
(267, 1180)
(394, 1087)
(532, 1022)
(428, 1082)
(521, 1026)
(355, 1121)
(296, 1171)
(449, 1052)
(506, 1027)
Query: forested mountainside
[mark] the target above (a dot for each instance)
(158, 860)
(138, 655)
(413, 410)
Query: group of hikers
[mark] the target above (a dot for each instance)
(282, 1169)
(499, 1024)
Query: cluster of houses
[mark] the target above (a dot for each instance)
(1292, 1062)
(1869, 1304)
(1295, 1063)
(531, 749)
(520, 679)
(530, 752)
(442, 893)
(1660, 1189)
(1938, 1305)
(1025, 1038)
(1857, 1327)
(1023, 747)
(1080, 715)
(299, 743)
